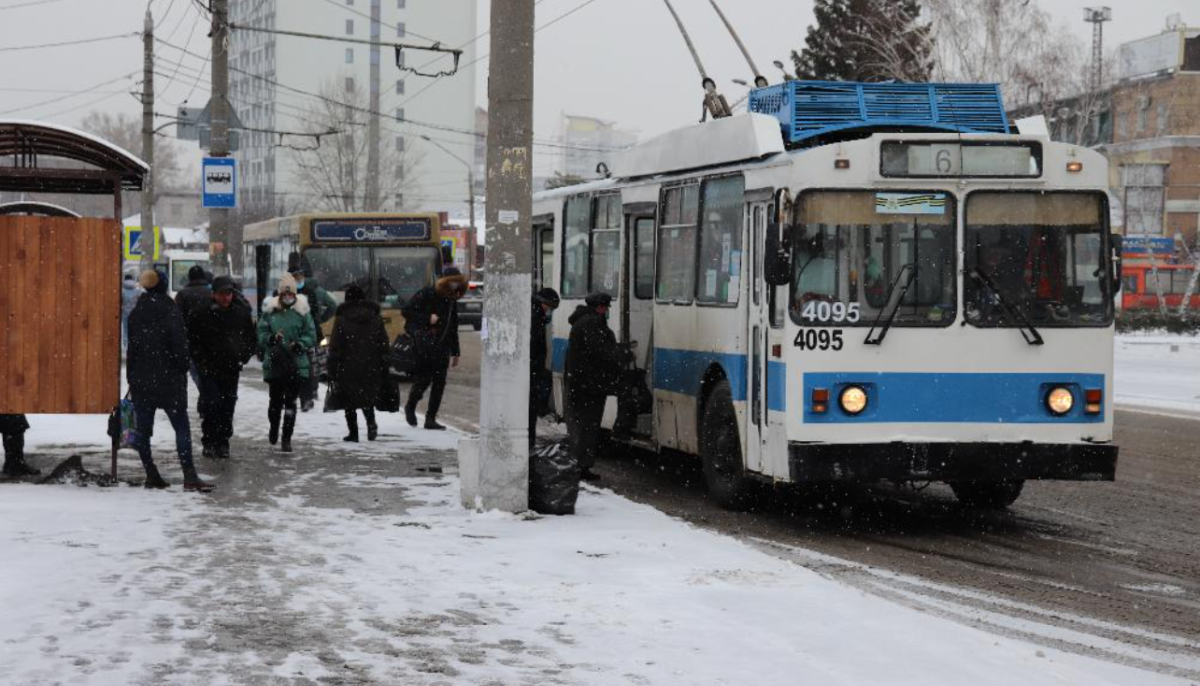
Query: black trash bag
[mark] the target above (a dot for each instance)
(553, 480)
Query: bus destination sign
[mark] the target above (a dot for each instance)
(371, 231)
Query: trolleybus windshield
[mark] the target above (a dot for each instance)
(1043, 251)
(391, 275)
(850, 247)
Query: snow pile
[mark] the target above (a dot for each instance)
(1158, 371)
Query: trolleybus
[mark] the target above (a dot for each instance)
(854, 282)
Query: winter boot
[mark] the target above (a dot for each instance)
(208, 451)
(289, 424)
(432, 425)
(221, 452)
(372, 431)
(154, 479)
(14, 458)
(273, 432)
(410, 414)
(192, 483)
(352, 425)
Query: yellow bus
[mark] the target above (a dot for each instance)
(390, 255)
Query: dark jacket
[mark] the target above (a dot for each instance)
(13, 424)
(434, 344)
(593, 364)
(358, 354)
(539, 321)
(222, 341)
(197, 295)
(157, 362)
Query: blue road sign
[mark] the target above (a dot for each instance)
(219, 182)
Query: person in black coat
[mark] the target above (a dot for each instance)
(593, 372)
(358, 360)
(196, 295)
(431, 318)
(222, 339)
(156, 368)
(545, 302)
(12, 430)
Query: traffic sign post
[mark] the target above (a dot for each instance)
(131, 243)
(219, 182)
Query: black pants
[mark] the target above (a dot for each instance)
(284, 393)
(352, 418)
(584, 414)
(14, 446)
(432, 374)
(218, 401)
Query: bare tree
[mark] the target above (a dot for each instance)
(125, 131)
(334, 167)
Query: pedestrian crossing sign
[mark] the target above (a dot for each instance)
(131, 243)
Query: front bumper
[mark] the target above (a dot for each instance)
(866, 462)
(470, 313)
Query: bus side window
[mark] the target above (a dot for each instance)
(676, 271)
(576, 248)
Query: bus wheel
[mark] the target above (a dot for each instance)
(721, 451)
(987, 495)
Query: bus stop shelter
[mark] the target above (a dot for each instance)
(60, 276)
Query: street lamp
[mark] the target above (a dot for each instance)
(470, 177)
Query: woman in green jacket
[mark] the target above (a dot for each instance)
(285, 335)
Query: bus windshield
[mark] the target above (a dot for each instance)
(857, 255)
(1043, 252)
(390, 275)
(403, 272)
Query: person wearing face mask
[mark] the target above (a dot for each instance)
(431, 318)
(545, 302)
(593, 372)
(323, 307)
(222, 340)
(286, 334)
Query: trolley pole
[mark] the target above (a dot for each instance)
(495, 467)
(146, 239)
(218, 218)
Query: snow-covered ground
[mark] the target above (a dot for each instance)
(298, 581)
(1158, 371)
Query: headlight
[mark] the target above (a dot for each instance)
(853, 400)
(1060, 401)
(324, 342)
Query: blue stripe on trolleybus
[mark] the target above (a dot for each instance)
(952, 398)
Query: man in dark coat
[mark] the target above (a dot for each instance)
(545, 302)
(196, 295)
(593, 369)
(12, 430)
(323, 307)
(358, 360)
(431, 318)
(156, 368)
(222, 340)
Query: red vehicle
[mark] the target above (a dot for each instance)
(1138, 291)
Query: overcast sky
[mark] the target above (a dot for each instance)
(616, 59)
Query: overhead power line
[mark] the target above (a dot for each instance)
(27, 4)
(341, 5)
(436, 47)
(81, 41)
(72, 94)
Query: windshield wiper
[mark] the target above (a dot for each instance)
(871, 339)
(1010, 312)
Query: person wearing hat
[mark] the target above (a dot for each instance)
(12, 431)
(222, 339)
(156, 368)
(541, 382)
(431, 318)
(286, 334)
(593, 372)
(358, 360)
(196, 295)
(323, 306)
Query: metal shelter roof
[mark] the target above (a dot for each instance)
(26, 145)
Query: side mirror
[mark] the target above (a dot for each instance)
(1117, 242)
(777, 262)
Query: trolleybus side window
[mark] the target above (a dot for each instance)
(576, 246)
(605, 269)
(676, 272)
(861, 254)
(721, 241)
(644, 258)
(1041, 253)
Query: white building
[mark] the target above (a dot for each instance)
(267, 70)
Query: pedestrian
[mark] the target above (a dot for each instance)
(196, 295)
(129, 297)
(545, 302)
(431, 319)
(286, 334)
(358, 360)
(593, 372)
(12, 433)
(156, 368)
(222, 339)
(323, 307)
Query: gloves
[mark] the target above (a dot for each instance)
(296, 348)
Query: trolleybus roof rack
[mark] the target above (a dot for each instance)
(810, 112)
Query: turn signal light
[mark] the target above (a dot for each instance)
(820, 400)
(1094, 400)
(1074, 167)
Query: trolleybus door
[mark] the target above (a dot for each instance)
(758, 304)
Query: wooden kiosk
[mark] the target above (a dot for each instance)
(60, 276)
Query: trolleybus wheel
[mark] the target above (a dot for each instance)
(721, 451)
(988, 495)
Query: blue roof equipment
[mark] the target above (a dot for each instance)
(810, 110)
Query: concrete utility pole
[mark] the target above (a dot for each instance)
(495, 467)
(146, 239)
(218, 218)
